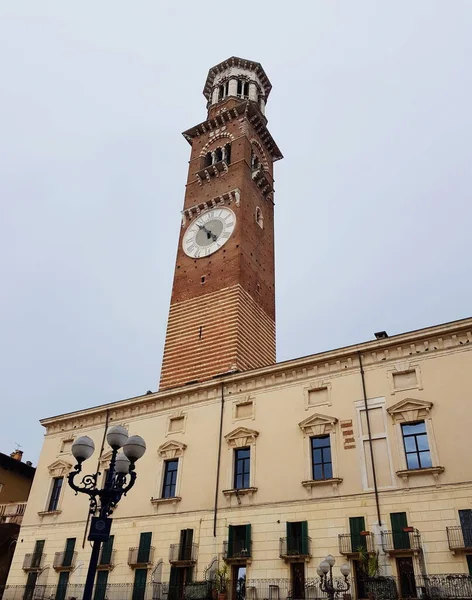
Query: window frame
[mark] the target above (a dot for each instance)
(246, 472)
(323, 462)
(58, 496)
(417, 452)
(174, 477)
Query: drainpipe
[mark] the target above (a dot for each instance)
(215, 512)
(374, 474)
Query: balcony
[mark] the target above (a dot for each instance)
(459, 538)
(34, 561)
(262, 180)
(106, 560)
(12, 512)
(183, 555)
(407, 540)
(239, 552)
(214, 170)
(351, 545)
(64, 561)
(295, 548)
(140, 557)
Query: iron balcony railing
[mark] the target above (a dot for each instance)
(183, 553)
(64, 560)
(295, 547)
(401, 541)
(459, 538)
(107, 558)
(34, 561)
(237, 550)
(138, 557)
(353, 544)
(12, 512)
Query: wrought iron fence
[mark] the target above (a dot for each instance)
(183, 553)
(352, 544)
(459, 538)
(295, 546)
(401, 540)
(433, 587)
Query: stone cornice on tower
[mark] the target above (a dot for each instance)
(235, 61)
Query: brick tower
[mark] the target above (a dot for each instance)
(222, 312)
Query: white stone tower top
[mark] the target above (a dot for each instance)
(237, 78)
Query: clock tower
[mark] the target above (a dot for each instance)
(222, 311)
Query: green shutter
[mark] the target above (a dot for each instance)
(144, 547)
(304, 541)
(230, 541)
(356, 525)
(37, 553)
(68, 552)
(30, 585)
(107, 549)
(139, 586)
(469, 563)
(101, 585)
(401, 539)
(291, 542)
(248, 540)
(61, 589)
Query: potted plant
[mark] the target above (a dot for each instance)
(221, 582)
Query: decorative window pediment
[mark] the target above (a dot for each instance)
(59, 468)
(171, 449)
(106, 457)
(241, 436)
(318, 424)
(409, 409)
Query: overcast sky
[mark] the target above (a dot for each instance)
(371, 106)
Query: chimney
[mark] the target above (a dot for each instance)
(17, 454)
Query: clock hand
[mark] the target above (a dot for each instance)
(208, 232)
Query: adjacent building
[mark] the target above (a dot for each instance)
(266, 467)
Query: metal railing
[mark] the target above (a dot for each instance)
(179, 553)
(408, 539)
(64, 560)
(459, 538)
(12, 512)
(238, 549)
(353, 544)
(34, 561)
(292, 547)
(140, 556)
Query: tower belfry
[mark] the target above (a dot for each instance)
(222, 312)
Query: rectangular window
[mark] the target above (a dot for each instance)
(356, 527)
(101, 585)
(62, 584)
(55, 493)
(68, 552)
(170, 478)
(239, 541)
(107, 551)
(415, 441)
(321, 457)
(185, 546)
(297, 538)
(465, 517)
(139, 586)
(144, 550)
(401, 539)
(37, 553)
(242, 465)
(30, 585)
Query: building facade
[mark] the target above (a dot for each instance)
(266, 467)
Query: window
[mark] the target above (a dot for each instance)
(62, 584)
(222, 91)
(297, 538)
(259, 217)
(185, 545)
(170, 478)
(68, 558)
(415, 441)
(243, 89)
(321, 457)
(239, 541)
(144, 549)
(242, 460)
(400, 538)
(107, 552)
(101, 585)
(55, 493)
(37, 553)
(139, 585)
(255, 162)
(356, 527)
(465, 517)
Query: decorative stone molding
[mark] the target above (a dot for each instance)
(59, 468)
(311, 483)
(405, 474)
(226, 135)
(177, 417)
(240, 492)
(238, 405)
(404, 367)
(240, 437)
(258, 145)
(171, 449)
(46, 513)
(310, 392)
(158, 501)
(226, 199)
(105, 458)
(318, 424)
(409, 410)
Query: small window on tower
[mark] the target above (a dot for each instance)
(259, 218)
(243, 89)
(255, 162)
(227, 154)
(222, 91)
(219, 154)
(206, 160)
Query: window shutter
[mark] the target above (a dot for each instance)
(248, 540)
(401, 539)
(107, 549)
(101, 585)
(304, 542)
(37, 553)
(144, 547)
(69, 552)
(173, 579)
(139, 587)
(230, 541)
(61, 589)
(356, 525)
(465, 517)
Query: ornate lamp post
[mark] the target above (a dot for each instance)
(120, 479)
(327, 585)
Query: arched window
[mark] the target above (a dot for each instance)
(243, 89)
(255, 162)
(206, 160)
(228, 154)
(218, 155)
(259, 217)
(222, 91)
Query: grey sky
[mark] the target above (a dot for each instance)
(371, 106)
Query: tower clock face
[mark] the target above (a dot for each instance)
(208, 232)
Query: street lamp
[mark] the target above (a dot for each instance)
(327, 584)
(120, 479)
